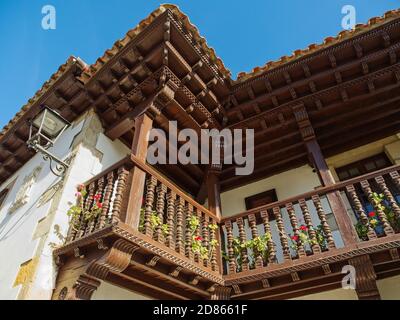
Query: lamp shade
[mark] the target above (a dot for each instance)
(50, 123)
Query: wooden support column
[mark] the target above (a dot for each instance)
(366, 287)
(143, 125)
(338, 207)
(214, 204)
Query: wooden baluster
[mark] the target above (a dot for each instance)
(188, 232)
(254, 234)
(382, 216)
(119, 192)
(87, 207)
(148, 206)
(293, 221)
(395, 178)
(160, 204)
(205, 236)
(213, 238)
(170, 240)
(101, 222)
(99, 191)
(198, 233)
(231, 251)
(179, 244)
(270, 242)
(324, 223)
(388, 195)
(360, 211)
(282, 233)
(242, 238)
(311, 231)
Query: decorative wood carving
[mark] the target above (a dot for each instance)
(180, 244)
(311, 231)
(254, 234)
(382, 216)
(242, 238)
(366, 287)
(83, 289)
(282, 233)
(324, 223)
(270, 242)
(160, 205)
(293, 222)
(231, 254)
(221, 293)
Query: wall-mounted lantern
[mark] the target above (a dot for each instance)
(45, 129)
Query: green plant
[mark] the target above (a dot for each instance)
(379, 200)
(155, 221)
(258, 246)
(78, 211)
(302, 238)
(205, 252)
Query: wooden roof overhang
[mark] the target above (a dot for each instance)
(349, 89)
(350, 92)
(63, 92)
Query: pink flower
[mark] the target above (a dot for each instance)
(198, 238)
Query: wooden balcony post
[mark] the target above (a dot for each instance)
(338, 207)
(143, 125)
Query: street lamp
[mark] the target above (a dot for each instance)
(45, 129)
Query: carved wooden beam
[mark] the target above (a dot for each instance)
(366, 287)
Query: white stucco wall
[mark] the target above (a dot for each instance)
(21, 237)
(107, 291)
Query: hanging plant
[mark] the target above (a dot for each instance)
(197, 245)
(76, 211)
(302, 238)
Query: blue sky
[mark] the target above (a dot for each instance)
(244, 34)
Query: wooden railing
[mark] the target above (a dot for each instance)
(292, 229)
(302, 226)
(175, 220)
(107, 188)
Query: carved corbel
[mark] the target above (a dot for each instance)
(221, 293)
(165, 95)
(366, 287)
(83, 289)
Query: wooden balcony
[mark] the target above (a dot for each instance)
(167, 247)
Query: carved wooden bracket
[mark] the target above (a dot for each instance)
(83, 289)
(221, 293)
(303, 121)
(365, 278)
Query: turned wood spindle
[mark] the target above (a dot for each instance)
(87, 207)
(295, 228)
(242, 239)
(395, 178)
(160, 205)
(198, 233)
(324, 223)
(170, 239)
(270, 241)
(205, 236)
(282, 233)
(179, 244)
(254, 234)
(188, 232)
(382, 216)
(101, 222)
(388, 195)
(119, 192)
(351, 191)
(148, 206)
(100, 189)
(213, 237)
(231, 251)
(311, 231)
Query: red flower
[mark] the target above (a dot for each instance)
(303, 228)
(295, 238)
(97, 197)
(99, 205)
(198, 238)
(372, 214)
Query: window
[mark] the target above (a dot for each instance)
(364, 166)
(261, 199)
